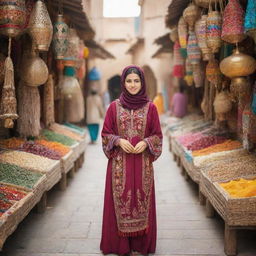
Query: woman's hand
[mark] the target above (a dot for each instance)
(126, 146)
(140, 147)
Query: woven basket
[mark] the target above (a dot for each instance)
(178, 61)
(174, 34)
(198, 75)
(204, 3)
(213, 33)
(213, 73)
(189, 73)
(191, 15)
(183, 34)
(222, 103)
(233, 19)
(194, 52)
(200, 30)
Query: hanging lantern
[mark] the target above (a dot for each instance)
(193, 50)
(189, 73)
(8, 107)
(222, 105)
(60, 37)
(178, 61)
(200, 30)
(198, 75)
(34, 70)
(233, 19)
(73, 48)
(213, 32)
(174, 34)
(250, 19)
(238, 64)
(191, 15)
(213, 73)
(12, 17)
(40, 26)
(183, 36)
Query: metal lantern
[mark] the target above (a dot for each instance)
(12, 17)
(60, 37)
(34, 70)
(40, 26)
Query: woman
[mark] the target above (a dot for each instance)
(94, 113)
(132, 140)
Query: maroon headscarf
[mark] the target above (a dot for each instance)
(133, 101)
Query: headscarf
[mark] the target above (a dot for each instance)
(133, 101)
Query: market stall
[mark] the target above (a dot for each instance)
(214, 49)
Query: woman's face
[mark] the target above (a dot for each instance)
(132, 83)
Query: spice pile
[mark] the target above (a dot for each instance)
(61, 129)
(27, 160)
(37, 149)
(75, 128)
(12, 143)
(56, 146)
(240, 188)
(16, 175)
(53, 136)
(8, 196)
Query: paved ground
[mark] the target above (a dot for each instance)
(71, 226)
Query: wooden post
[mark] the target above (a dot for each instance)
(63, 182)
(209, 209)
(230, 240)
(41, 206)
(201, 198)
(72, 172)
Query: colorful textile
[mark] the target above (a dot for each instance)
(129, 219)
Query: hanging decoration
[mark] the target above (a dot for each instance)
(237, 87)
(233, 19)
(86, 52)
(191, 14)
(34, 69)
(29, 111)
(213, 73)
(200, 30)
(183, 36)
(204, 3)
(2, 60)
(222, 105)
(198, 74)
(213, 32)
(250, 19)
(8, 106)
(174, 34)
(40, 26)
(49, 102)
(189, 73)
(60, 37)
(12, 17)
(178, 61)
(193, 50)
(238, 65)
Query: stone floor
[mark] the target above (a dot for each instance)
(71, 225)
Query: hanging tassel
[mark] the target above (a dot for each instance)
(49, 102)
(8, 107)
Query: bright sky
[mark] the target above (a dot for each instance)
(121, 8)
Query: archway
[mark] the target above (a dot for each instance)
(150, 81)
(114, 87)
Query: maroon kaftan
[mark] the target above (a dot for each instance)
(129, 218)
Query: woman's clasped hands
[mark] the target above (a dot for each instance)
(130, 149)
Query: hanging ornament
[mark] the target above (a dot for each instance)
(200, 30)
(233, 19)
(193, 50)
(2, 60)
(189, 73)
(213, 32)
(222, 105)
(86, 52)
(198, 74)
(40, 26)
(203, 3)
(174, 34)
(178, 61)
(191, 14)
(213, 73)
(34, 69)
(60, 37)
(183, 36)
(12, 17)
(250, 19)
(8, 107)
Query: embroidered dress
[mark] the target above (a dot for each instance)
(129, 219)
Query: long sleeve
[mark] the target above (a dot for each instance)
(155, 136)
(109, 132)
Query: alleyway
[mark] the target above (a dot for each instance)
(71, 226)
